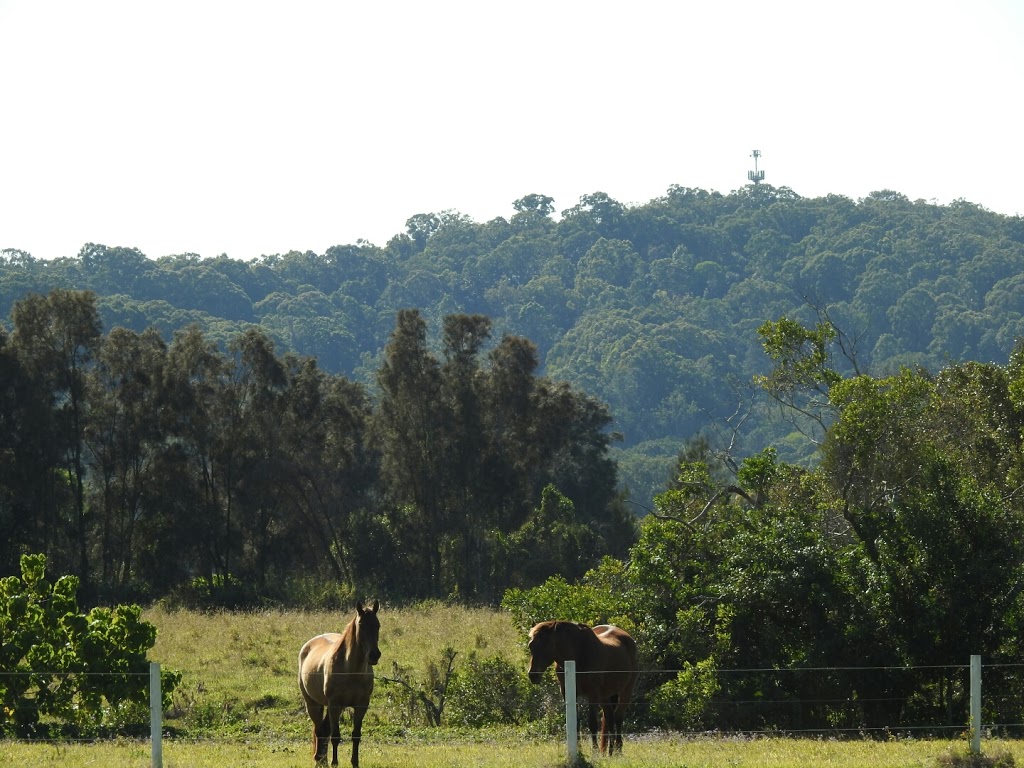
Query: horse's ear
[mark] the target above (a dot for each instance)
(359, 606)
(375, 606)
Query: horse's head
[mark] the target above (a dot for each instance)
(545, 648)
(368, 630)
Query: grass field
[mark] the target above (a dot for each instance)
(510, 752)
(238, 705)
(239, 670)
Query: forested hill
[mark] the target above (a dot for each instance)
(652, 307)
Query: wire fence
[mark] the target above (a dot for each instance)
(837, 702)
(840, 701)
(69, 707)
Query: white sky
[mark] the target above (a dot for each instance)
(247, 127)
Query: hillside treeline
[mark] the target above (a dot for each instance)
(149, 468)
(651, 308)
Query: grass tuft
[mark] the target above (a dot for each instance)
(998, 759)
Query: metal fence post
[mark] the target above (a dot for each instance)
(976, 705)
(571, 733)
(156, 711)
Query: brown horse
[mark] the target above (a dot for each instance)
(606, 667)
(335, 672)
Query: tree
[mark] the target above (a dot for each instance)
(553, 540)
(469, 508)
(329, 483)
(803, 370)
(56, 336)
(408, 430)
(202, 422)
(124, 438)
(541, 205)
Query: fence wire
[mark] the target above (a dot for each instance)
(779, 701)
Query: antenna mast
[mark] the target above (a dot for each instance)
(755, 176)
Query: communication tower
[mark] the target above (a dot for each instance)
(755, 176)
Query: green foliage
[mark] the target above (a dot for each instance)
(222, 476)
(558, 599)
(552, 540)
(684, 703)
(57, 664)
(420, 698)
(491, 691)
(218, 591)
(654, 308)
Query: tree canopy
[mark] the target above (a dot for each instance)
(238, 474)
(652, 308)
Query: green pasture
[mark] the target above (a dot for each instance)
(238, 705)
(239, 670)
(514, 752)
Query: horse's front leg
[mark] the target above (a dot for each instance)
(334, 714)
(357, 733)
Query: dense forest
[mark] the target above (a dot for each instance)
(148, 469)
(652, 309)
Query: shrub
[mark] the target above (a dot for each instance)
(491, 691)
(59, 663)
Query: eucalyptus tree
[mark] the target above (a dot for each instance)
(329, 524)
(201, 423)
(56, 338)
(26, 465)
(124, 439)
(408, 431)
(469, 508)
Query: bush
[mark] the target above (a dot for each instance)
(58, 663)
(682, 702)
(219, 592)
(491, 691)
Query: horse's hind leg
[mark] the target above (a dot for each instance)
(321, 729)
(619, 723)
(616, 738)
(592, 724)
(611, 726)
(321, 738)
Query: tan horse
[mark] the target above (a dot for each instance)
(606, 668)
(335, 672)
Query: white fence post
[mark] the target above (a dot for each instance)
(571, 732)
(976, 705)
(156, 711)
